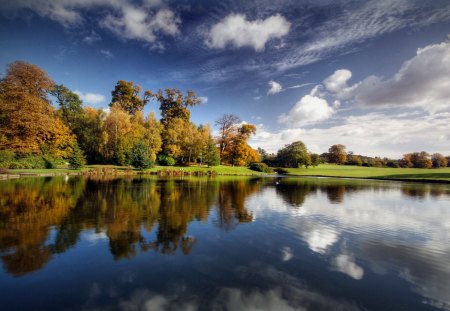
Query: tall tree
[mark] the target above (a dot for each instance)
(117, 126)
(227, 124)
(337, 154)
(173, 104)
(70, 107)
(28, 122)
(126, 95)
(175, 120)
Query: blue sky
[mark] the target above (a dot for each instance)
(372, 75)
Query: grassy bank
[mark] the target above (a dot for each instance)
(219, 170)
(325, 170)
(416, 174)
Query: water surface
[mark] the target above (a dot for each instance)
(223, 244)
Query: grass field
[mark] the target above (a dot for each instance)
(220, 170)
(326, 170)
(330, 170)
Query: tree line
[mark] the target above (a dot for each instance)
(34, 134)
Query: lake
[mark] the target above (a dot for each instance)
(225, 243)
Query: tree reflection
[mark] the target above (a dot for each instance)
(40, 217)
(231, 202)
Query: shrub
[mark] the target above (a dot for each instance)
(77, 159)
(281, 171)
(140, 156)
(166, 160)
(260, 167)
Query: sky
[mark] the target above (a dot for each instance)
(372, 75)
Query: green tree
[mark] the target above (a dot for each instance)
(212, 155)
(77, 159)
(70, 107)
(337, 154)
(294, 155)
(315, 159)
(126, 95)
(175, 120)
(141, 158)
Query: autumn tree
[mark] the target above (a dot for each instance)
(126, 95)
(117, 125)
(438, 160)
(92, 137)
(227, 124)
(337, 154)
(175, 120)
(241, 153)
(417, 160)
(28, 122)
(294, 155)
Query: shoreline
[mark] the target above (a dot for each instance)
(16, 175)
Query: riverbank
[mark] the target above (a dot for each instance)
(441, 175)
(325, 170)
(124, 170)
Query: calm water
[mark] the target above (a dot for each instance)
(223, 244)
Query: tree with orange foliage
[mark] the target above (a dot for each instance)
(28, 122)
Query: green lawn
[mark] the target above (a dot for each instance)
(330, 170)
(220, 170)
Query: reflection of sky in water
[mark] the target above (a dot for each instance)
(242, 245)
(385, 231)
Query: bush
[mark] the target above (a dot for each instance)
(260, 167)
(140, 156)
(77, 159)
(166, 160)
(281, 171)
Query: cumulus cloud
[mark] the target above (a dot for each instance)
(91, 98)
(237, 31)
(373, 134)
(422, 81)
(275, 88)
(309, 109)
(135, 23)
(337, 82)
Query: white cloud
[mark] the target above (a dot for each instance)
(204, 99)
(423, 81)
(275, 88)
(107, 53)
(91, 98)
(337, 82)
(354, 24)
(134, 23)
(237, 31)
(373, 134)
(309, 109)
(125, 18)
